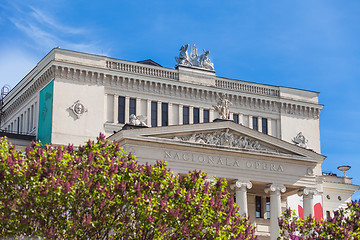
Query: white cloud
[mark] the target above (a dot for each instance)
(45, 32)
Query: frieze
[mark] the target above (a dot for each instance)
(216, 160)
(227, 138)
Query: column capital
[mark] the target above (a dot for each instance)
(241, 183)
(275, 187)
(308, 192)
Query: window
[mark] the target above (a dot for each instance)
(28, 120)
(258, 206)
(236, 118)
(121, 110)
(206, 116)
(196, 115)
(21, 123)
(268, 208)
(264, 125)
(328, 216)
(164, 114)
(185, 115)
(132, 107)
(255, 123)
(153, 114)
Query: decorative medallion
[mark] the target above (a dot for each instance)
(300, 140)
(78, 109)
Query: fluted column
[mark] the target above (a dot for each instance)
(275, 191)
(308, 200)
(127, 109)
(241, 187)
(116, 109)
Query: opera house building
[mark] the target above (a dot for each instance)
(263, 139)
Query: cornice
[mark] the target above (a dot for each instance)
(163, 81)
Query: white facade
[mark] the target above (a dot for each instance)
(110, 90)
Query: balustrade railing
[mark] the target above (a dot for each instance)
(243, 87)
(142, 70)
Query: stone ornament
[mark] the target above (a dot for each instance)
(223, 106)
(275, 187)
(309, 172)
(78, 109)
(300, 140)
(225, 138)
(138, 120)
(241, 183)
(202, 61)
(308, 191)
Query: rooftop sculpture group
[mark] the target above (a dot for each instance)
(202, 61)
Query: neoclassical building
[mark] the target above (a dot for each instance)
(263, 139)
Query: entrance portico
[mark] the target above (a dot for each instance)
(261, 170)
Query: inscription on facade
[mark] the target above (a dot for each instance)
(216, 160)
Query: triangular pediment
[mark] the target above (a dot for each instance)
(226, 138)
(225, 135)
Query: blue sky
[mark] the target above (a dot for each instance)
(306, 44)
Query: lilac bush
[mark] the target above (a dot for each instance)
(345, 225)
(98, 191)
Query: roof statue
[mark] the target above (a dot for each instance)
(223, 106)
(137, 120)
(202, 61)
(300, 140)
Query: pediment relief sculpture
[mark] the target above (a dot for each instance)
(227, 138)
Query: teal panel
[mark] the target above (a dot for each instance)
(45, 113)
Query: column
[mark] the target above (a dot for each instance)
(159, 120)
(181, 114)
(241, 118)
(191, 115)
(260, 124)
(250, 122)
(308, 200)
(278, 128)
(275, 207)
(270, 126)
(138, 107)
(201, 115)
(211, 115)
(241, 187)
(127, 109)
(231, 116)
(148, 113)
(116, 109)
(170, 115)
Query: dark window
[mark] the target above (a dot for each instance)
(268, 208)
(328, 216)
(196, 115)
(132, 107)
(258, 206)
(206, 116)
(264, 122)
(164, 114)
(121, 110)
(153, 114)
(18, 125)
(255, 123)
(236, 118)
(185, 115)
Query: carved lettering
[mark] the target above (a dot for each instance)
(218, 160)
(167, 154)
(249, 164)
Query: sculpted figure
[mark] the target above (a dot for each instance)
(183, 58)
(300, 140)
(223, 106)
(137, 120)
(205, 61)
